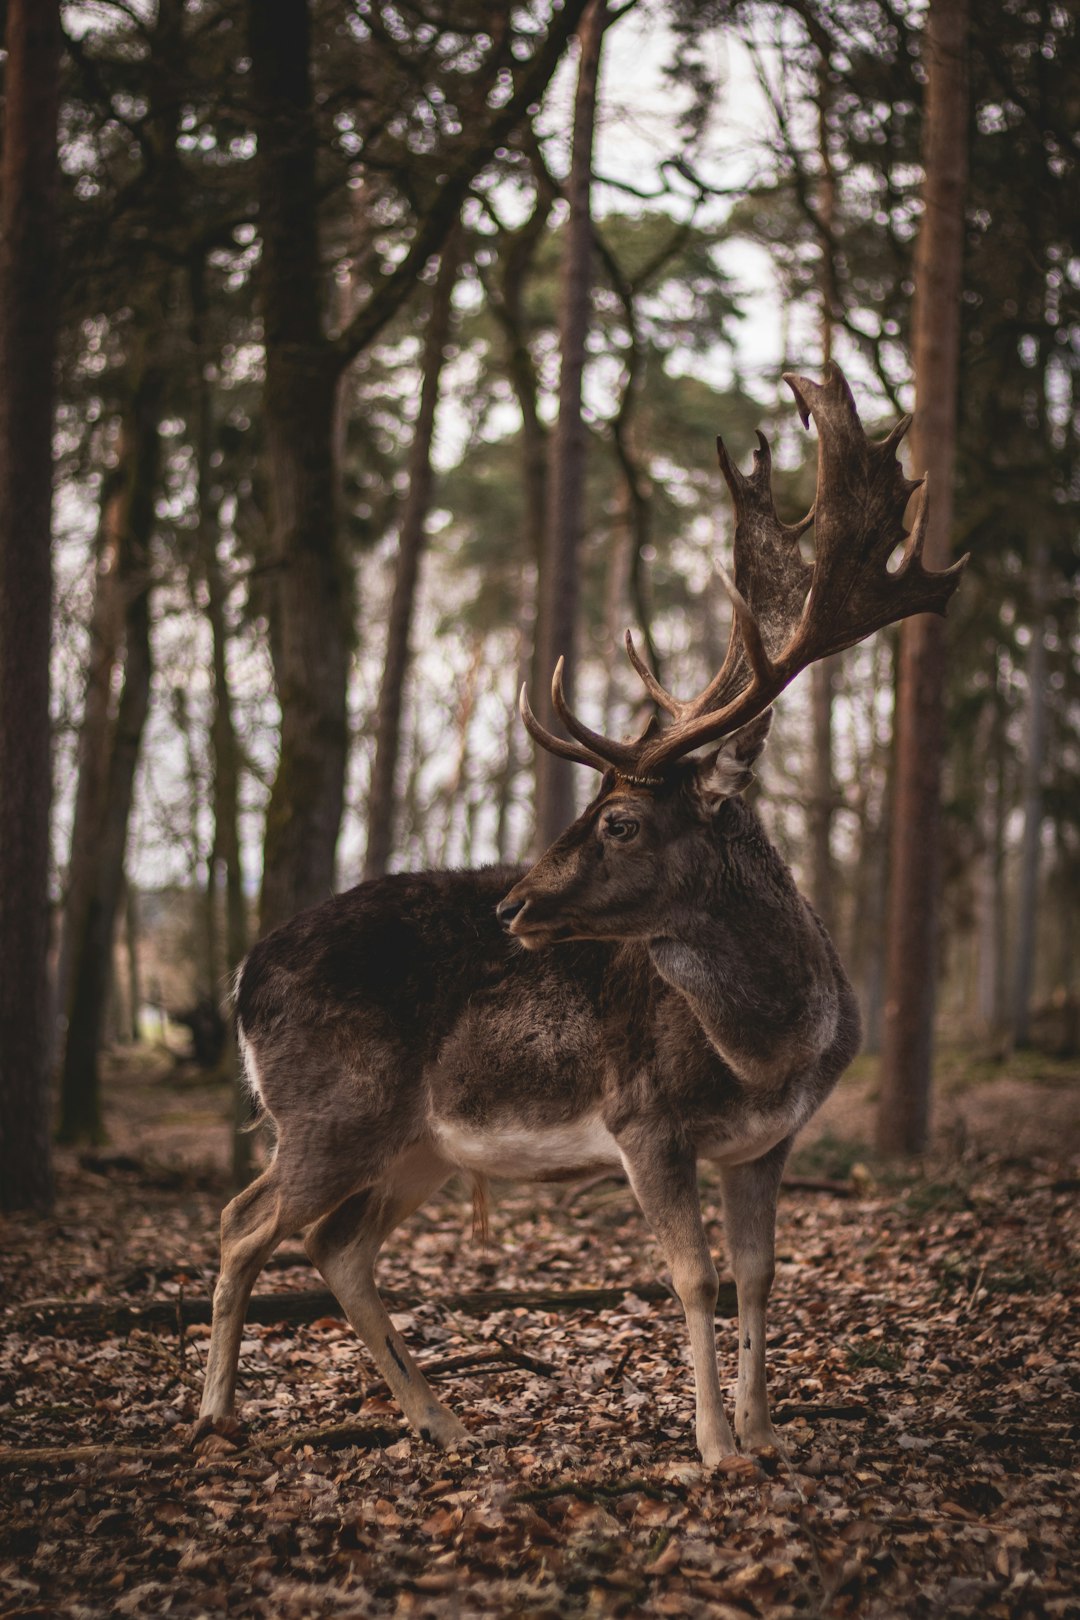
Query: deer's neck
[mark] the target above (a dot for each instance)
(750, 957)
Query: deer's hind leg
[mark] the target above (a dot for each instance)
(344, 1246)
(281, 1201)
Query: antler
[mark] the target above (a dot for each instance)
(786, 615)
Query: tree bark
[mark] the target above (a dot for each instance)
(1027, 900)
(105, 835)
(225, 752)
(822, 792)
(28, 262)
(106, 648)
(508, 307)
(412, 540)
(823, 674)
(990, 943)
(312, 599)
(131, 934)
(558, 588)
(907, 1055)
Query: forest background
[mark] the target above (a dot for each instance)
(393, 342)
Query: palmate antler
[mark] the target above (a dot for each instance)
(785, 614)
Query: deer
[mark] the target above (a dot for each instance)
(651, 994)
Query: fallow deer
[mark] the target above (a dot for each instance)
(651, 993)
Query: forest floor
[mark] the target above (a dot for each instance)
(924, 1362)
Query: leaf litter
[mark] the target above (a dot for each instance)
(923, 1368)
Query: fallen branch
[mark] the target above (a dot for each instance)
(477, 1361)
(332, 1438)
(117, 1316)
(788, 1410)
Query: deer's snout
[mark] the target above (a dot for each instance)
(508, 909)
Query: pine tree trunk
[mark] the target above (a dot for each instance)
(558, 586)
(28, 249)
(105, 837)
(823, 674)
(311, 602)
(868, 911)
(225, 751)
(131, 933)
(990, 946)
(822, 792)
(106, 649)
(509, 309)
(904, 1097)
(1027, 900)
(411, 542)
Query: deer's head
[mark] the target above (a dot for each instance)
(612, 873)
(634, 857)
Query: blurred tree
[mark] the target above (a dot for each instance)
(28, 264)
(112, 729)
(109, 745)
(558, 590)
(915, 868)
(411, 540)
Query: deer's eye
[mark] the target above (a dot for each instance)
(621, 828)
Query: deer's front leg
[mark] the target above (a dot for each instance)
(664, 1180)
(749, 1192)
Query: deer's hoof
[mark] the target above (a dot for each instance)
(216, 1437)
(449, 1435)
(740, 1469)
(762, 1437)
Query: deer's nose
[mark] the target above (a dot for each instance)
(508, 909)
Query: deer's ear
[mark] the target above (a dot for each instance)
(731, 769)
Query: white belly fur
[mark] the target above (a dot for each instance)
(515, 1152)
(518, 1153)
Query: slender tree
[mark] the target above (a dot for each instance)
(915, 875)
(823, 675)
(1027, 899)
(28, 249)
(559, 585)
(100, 841)
(411, 540)
(312, 597)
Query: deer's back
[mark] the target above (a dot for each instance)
(410, 977)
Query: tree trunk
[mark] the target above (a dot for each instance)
(131, 933)
(558, 586)
(312, 598)
(822, 792)
(28, 249)
(106, 648)
(225, 751)
(508, 306)
(990, 948)
(823, 674)
(875, 781)
(90, 950)
(1027, 901)
(411, 542)
(466, 706)
(904, 1100)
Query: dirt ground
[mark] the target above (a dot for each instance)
(923, 1365)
